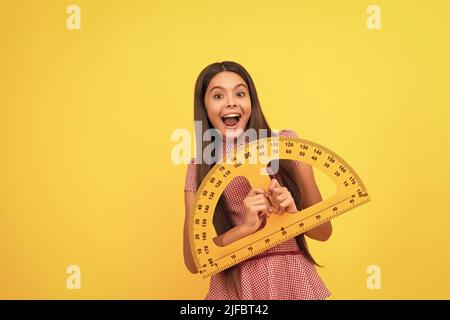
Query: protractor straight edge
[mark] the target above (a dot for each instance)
(249, 161)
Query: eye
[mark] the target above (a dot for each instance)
(217, 96)
(241, 93)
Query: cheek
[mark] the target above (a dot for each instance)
(248, 107)
(213, 113)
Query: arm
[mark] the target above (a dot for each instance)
(188, 260)
(304, 177)
(238, 232)
(232, 235)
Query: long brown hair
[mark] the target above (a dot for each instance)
(256, 121)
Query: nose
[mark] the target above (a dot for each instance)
(231, 103)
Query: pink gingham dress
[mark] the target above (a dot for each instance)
(279, 273)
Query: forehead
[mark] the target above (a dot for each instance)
(226, 79)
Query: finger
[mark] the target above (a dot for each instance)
(256, 202)
(255, 191)
(282, 197)
(259, 207)
(269, 205)
(259, 191)
(257, 197)
(286, 203)
(278, 190)
(263, 214)
(261, 196)
(276, 202)
(273, 184)
(269, 198)
(273, 203)
(264, 198)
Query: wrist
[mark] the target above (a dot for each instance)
(247, 229)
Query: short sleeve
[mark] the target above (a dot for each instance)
(190, 183)
(290, 134)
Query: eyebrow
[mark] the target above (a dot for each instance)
(219, 87)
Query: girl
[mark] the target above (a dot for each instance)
(225, 99)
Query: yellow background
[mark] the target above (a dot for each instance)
(86, 117)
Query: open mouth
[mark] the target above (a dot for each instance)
(231, 120)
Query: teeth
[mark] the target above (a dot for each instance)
(231, 115)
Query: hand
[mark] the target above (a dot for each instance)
(257, 208)
(280, 198)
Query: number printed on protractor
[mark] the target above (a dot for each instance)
(250, 161)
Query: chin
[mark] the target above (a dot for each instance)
(231, 133)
